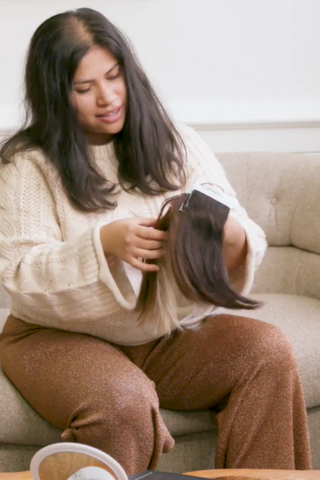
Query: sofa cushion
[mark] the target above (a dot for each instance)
(4, 313)
(20, 424)
(4, 298)
(299, 318)
(4, 306)
(280, 193)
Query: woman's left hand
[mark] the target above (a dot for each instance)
(235, 246)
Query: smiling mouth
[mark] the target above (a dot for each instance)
(114, 113)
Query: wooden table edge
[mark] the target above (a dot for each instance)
(249, 473)
(16, 476)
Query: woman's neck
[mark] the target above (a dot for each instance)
(98, 139)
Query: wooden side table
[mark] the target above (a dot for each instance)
(229, 474)
(16, 476)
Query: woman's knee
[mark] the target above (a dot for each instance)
(125, 423)
(121, 406)
(267, 344)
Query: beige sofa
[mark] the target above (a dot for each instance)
(282, 193)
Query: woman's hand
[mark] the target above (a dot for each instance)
(133, 240)
(234, 244)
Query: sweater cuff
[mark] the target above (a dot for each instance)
(126, 297)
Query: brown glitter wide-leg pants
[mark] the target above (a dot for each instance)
(108, 396)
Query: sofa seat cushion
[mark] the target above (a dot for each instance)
(299, 318)
(4, 306)
(4, 313)
(20, 424)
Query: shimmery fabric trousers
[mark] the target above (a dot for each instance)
(108, 396)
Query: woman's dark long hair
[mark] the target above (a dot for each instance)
(149, 149)
(195, 253)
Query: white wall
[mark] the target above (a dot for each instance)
(245, 73)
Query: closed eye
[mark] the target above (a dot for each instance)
(114, 73)
(115, 76)
(83, 91)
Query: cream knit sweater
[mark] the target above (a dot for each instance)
(51, 259)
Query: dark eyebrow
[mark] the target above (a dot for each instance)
(89, 81)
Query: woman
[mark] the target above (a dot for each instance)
(81, 187)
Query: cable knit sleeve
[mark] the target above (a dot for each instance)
(203, 166)
(51, 281)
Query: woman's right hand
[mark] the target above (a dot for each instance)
(133, 240)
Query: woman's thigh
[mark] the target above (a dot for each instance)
(196, 369)
(62, 373)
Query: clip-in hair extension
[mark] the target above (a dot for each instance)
(185, 271)
(217, 193)
(185, 204)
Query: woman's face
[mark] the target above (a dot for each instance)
(99, 95)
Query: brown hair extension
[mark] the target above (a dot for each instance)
(195, 226)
